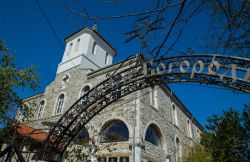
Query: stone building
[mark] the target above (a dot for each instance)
(150, 125)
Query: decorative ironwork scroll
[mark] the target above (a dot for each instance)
(231, 72)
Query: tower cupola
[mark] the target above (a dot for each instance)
(88, 49)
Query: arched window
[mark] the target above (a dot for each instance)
(189, 128)
(69, 48)
(153, 136)
(175, 117)
(94, 48)
(40, 109)
(83, 136)
(59, 105)
(153, 97)
(115, 131)
(77, 44)
(178, 149)
(107, 58)
(84, 90)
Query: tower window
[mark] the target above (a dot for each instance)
(94, 48)
(70, 48)
(60, 104)
(106, 58)
(40, 109)
(77, 44)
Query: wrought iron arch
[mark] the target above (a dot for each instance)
(230, 72)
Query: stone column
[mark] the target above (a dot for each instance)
(136, 135)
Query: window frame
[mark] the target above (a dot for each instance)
(40, 109)
(106, 58)
(178, 149)
(175, 115)
(77, 44)
(107, 127)
(155, 128)
(94, 50)
(85, 139)
(70, 48)
(189, 128)
(82, 94)
(60, 104)
(153, 97)
(113, 157)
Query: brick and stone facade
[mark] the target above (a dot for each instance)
(157, 107)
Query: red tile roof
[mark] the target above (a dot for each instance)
(28, 131)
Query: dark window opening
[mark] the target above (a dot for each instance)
(115, 131)
(153, 136)
(83, 136)
(124, 159)
(113, 159)
(40, 109)
(85, 90)
(106, 58)
(94, 48)
(60, 104)
(102, 159)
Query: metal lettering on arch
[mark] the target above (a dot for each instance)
(230, 72)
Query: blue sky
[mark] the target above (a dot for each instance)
(31, 40)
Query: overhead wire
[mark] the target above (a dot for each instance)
(57, 36)
(49, 23)
(62, 46)
(53, 29)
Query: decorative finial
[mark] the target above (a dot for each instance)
(94, 27)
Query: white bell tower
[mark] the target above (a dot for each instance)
(87, 49)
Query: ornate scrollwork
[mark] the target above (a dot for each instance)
(231, 72)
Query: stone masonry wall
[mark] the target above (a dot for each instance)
(124, 110)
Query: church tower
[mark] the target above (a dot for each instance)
(87, 49)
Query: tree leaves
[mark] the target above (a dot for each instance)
(228, 136)
(230, 26)
(198, 154)
(12, 79)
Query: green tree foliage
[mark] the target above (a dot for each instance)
(227, 136)
(244, 149)
(12, 79)
(197, 154)
(230, 26)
